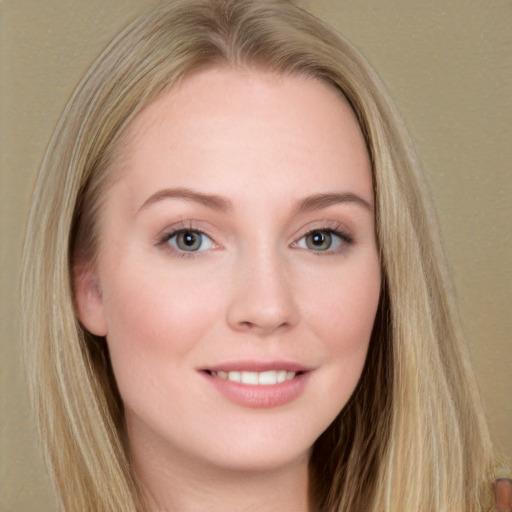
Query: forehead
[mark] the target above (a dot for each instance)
(226, 124)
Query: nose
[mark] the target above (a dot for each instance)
(262, 301)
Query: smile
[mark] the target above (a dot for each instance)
(266, 378)
(256, 385)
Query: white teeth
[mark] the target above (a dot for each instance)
(267, 378)
(249, 377)
(234, 376)
(281, 376)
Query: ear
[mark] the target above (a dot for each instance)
(89, 299)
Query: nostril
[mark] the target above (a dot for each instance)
(260, 328)
(263, 301)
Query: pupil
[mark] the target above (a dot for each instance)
(189, 241)
(318, 238)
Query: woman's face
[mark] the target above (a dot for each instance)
(237, 278)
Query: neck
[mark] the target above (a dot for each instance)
(173, 484)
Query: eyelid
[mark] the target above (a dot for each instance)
(182, 225)
(203, 237)
(162, 240)
(333, 227)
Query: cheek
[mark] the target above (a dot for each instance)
(153, 322)
(341, 315)
(343, 304)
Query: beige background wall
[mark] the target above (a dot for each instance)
(448, 64)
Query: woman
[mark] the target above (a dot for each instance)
(230, 196)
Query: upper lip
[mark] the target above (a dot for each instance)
(256, 366)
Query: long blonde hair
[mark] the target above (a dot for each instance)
(413, 435)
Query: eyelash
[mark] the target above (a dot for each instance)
(332, 230)
(164, 239)
(344, 240)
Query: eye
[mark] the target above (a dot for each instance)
(189, 240)
(322, 240)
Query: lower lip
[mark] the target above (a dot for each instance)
(258, 396)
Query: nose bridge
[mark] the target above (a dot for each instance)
(262, 300)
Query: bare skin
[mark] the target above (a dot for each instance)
(237, 242)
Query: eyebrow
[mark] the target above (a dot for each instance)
(320, 201)
(215, 202)
(209, 200)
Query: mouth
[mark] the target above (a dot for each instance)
(253, 378)
(258, 384)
